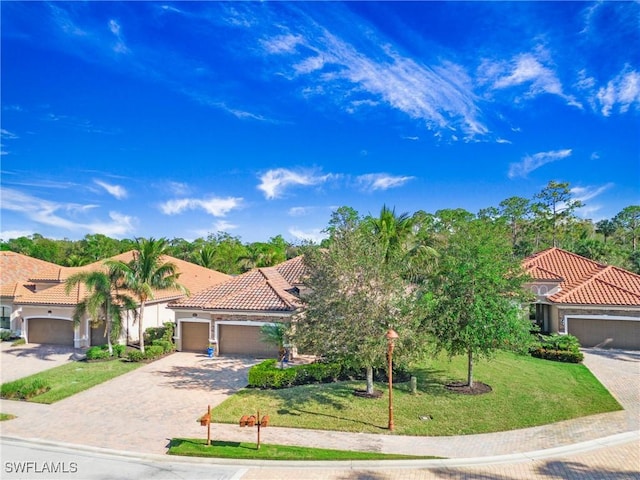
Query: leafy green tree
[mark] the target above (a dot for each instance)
(606, 228)
(205, 257)
(476, 295)
(103, 302)
(147, 272)
(515, 210)
(629, 221)
(393, 231)
(355, 297)
(555, 208)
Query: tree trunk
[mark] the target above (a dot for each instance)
(108, 328)
(369, 380)
(470, 368)
(141, 326)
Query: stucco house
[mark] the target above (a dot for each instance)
(599, 304)
(39, 309)
(230, 315)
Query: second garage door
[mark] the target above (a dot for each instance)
(50, 331)
(606, 333)
(195, 336)
(244, 340)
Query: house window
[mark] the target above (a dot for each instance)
(5, 317)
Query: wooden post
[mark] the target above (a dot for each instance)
(209, 425)
(258, 421)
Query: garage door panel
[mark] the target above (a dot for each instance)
(50, 331)
(195, 336)
(594, 332)
(244, 340)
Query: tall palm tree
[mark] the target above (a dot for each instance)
(393, 231)
(103, 302)
(147, 272)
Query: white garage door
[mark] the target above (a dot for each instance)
(594, 332)
(244, 340)
(50, 331)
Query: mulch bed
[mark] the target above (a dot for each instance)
(460, 387)
(364, 394)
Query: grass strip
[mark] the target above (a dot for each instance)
(71, 378)
(246, 450)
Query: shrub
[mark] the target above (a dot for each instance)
(23, 389)
(20, 341)
(152, 352)
(159, 333)
(164, 344)
(97, 352)
(5, 335)
(135, 356)
(267, 374)
(561, 348)
(118, 350)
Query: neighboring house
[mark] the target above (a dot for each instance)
(15, 270)
(42, 312)
(230, 315)
(599, 304)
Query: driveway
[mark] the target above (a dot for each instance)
(139, 411)
(24, 360)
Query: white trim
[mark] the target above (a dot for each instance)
(565, 319)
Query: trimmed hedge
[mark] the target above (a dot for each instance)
(267, 374)
(558, 355)
(560, 348)
(166, 345)
(101, 352)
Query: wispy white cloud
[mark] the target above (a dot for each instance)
(531, 70)
(414, 138)
(298, 211)
(381, 181)
(218, 207)
(535, 161)
(118, 191)
(315, 235)
(224, 226)
(274, 182)
(7, 134)
(374, 73)
(503, 140)
(62, 215)
(119, 46)
(585, 194)
(622, 92)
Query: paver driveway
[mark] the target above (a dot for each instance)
(24, 360)
(138, 411)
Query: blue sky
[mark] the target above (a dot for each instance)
(153, 119)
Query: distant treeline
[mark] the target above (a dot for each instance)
(548, 219)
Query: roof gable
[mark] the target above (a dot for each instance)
(260, 289)
(583, 281)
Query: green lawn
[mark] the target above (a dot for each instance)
(75, 377)
(245, 450)
(526, 392)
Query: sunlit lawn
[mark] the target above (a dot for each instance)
(247, 450)
(526, 392)
(75, 377)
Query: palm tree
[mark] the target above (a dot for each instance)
(103, 303)
(276, 334)
(392, 230)
(145, 273)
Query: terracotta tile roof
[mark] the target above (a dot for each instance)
(15, 267)
(261, 289)
(192, 276)
(584, 281)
